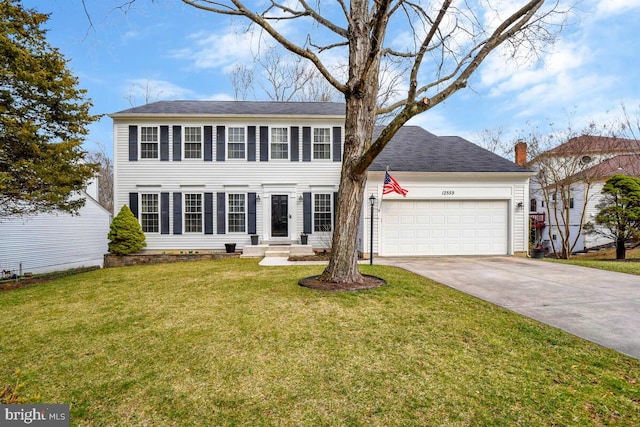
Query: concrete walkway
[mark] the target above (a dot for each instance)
(600, 306)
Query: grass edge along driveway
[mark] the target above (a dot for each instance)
(232, 343)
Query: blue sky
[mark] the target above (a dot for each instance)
(171, 51)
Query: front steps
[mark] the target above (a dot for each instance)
(279, 250)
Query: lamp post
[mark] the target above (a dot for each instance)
(372, 202)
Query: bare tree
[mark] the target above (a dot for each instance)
(105, 176)
(447, 44)
(282, 77)
(149, 93)
(563, 174)
(241, 81)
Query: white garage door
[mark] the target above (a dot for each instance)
(444, 227)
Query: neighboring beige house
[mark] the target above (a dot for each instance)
(199, 174)
(585, 163)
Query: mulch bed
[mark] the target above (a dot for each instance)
(369, 282)
(24, 282)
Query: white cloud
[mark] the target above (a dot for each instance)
(607, 8)
(141, 91)
(219, 50)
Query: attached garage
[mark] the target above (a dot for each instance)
(444, 227)
(461, 200)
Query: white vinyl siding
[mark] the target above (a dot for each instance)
(237, 213)
(148, 142)
(321, 143)
(193, 213)
(59, 241)
(149, 213)
(192, 142)
(322, 212)
(279, 143)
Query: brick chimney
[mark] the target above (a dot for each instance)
(521, 153)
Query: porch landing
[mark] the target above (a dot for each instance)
(279, 250)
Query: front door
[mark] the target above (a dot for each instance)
(279, 215)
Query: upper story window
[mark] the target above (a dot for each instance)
(149, 213)
(237, 213)
(322, 143)
(192, 142)
(279, 143)
(149, 142)
(193, 213)
(322, 212)
(236, 144)
(533, 205)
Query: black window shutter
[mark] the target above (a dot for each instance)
(164, 143)
(222, 213)
(164, 213)
(306, 144)
(177, 143)
(133, 203)
(335, 208)
(251, 143)
(208, 143)
(295, 144)
(133, 143)
(220, 141)
(208, 213)
(177, 213)
(306, 210)
(337, 144)
(252, 213)
(264, 143)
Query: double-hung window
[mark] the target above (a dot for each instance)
(192, 142)
(321, 143)
(237, 213)
(149, 142)
(193, 213)
(149, 213)
(236, 144)
(279, 143)
(322, 212)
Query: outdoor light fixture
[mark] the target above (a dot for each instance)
(372, 202)
(520, 205)
(258, 198)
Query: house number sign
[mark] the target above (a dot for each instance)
(448, 192)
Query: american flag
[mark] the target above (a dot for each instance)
(392, 186)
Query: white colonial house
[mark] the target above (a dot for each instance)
(49, 242)
(200, 174)
(582, 165)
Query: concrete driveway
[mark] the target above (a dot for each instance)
(600, 306)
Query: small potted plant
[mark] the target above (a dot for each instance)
(254, 239)
(538, 251)
(230, 247)
(304, 238)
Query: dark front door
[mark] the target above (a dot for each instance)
(279, 216)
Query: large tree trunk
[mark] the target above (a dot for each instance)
(621, 250)
(361, 106)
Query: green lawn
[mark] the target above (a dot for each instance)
(231, 343)
(606, 260)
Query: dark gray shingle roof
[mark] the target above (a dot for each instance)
(260, 108)
(413, 149)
